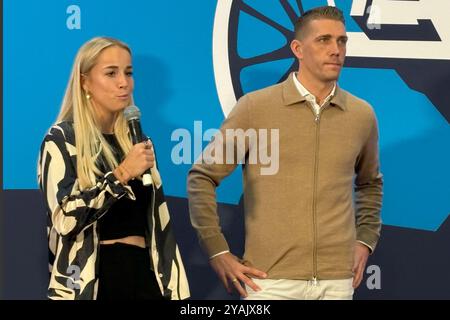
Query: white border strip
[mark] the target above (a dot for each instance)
(221, 64)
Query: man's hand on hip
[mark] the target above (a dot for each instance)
(233, 273)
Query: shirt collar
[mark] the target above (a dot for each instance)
(308, 95)
(291, 94)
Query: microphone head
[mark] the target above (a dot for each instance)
(131, 113)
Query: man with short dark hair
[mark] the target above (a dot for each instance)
(307, 235)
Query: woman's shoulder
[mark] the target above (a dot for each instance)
(62, 130)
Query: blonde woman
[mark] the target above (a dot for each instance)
(109, 236)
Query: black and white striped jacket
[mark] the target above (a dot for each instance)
(72, 223)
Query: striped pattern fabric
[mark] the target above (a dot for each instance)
(72, 223)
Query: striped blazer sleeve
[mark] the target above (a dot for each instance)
(71, 209)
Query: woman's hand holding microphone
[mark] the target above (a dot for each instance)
(140, 158)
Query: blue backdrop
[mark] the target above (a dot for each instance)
(192, 60)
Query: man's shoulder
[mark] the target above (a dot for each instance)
(355, 104)
(267, 95)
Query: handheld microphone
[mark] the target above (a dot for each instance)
(133, 115)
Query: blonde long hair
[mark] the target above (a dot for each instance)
(76, 107)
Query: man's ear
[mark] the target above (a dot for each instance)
(297, 48)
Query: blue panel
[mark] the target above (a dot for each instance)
(272, 10)
(175, 86)
(412, 139)
(265, 74)
(256, 37)
(346, 7)
(167, 58)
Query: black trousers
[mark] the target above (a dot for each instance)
(125, 274)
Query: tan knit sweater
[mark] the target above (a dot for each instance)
(303, 221)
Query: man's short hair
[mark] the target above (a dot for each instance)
(325, 12)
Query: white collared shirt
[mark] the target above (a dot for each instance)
(310, 97)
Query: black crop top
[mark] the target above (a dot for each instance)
(125, 217)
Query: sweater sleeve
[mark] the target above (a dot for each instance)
(369, 190)
(207, 173)
(71, 209)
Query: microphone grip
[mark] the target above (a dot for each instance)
(135, 131)
(138, 137)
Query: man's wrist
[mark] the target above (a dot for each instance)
(366, 245)
(218, 254)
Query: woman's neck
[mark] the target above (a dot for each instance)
(106, 121)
